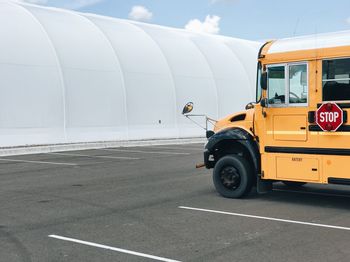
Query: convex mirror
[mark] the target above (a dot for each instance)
(187, 108)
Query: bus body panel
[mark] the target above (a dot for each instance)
(292, 148)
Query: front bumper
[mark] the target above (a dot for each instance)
(208, 159)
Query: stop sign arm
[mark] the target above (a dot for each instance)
(329, 117)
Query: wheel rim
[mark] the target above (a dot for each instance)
(230, 177)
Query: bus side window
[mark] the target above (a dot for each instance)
(276, 85)
(298, 87)
(336, 80)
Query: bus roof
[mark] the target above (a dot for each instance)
(303, 48)
(310, 42)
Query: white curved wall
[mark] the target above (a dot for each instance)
(72, 77)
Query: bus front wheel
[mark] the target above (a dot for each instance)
(233, 176)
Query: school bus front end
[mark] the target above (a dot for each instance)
(297, 132)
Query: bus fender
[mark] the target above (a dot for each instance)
(232, 140)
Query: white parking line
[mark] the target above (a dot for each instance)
(107, 157)
(113, 248)
(310, 193)
(176, 148)
(144, 152)
(37, 162)
(266, 218)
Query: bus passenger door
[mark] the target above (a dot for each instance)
(286, 124)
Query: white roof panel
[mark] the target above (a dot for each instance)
(316, 41)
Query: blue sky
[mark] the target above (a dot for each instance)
(248, 19)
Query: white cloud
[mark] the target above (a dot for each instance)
(210, 25)
(347, 20)
(140, 13)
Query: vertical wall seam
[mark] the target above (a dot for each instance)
(117, 60)
(244, 68)
(213, 76)
(169, 68)
(58, 63)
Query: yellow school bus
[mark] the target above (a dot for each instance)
(278, 138)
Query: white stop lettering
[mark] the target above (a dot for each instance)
(329, 117)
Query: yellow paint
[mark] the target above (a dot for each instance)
(336, 165)
(288, 126)
(297, 168)
(291, 133)
(246, 124)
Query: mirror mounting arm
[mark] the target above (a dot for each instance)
(188, 109)
(207, 120)
(263, 104)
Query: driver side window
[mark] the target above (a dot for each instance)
(288, 85)
(276, 85)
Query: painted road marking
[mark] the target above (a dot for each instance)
(144, 152)
(310, 193)
(176, 148)
(266, 218)
(107, 157)
(113, 248)
(37, 162)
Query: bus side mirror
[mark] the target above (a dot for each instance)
(263, 102)
(263, 80)
(187, 108)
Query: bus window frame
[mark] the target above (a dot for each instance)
(287, 84)
(332, 59)
(258, 83)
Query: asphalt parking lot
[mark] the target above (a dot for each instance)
(151, 204)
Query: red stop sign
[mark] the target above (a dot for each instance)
(329, 117)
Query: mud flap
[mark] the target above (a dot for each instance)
(263, 186)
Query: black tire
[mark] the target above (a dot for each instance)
(233, 176)
(293, 184)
